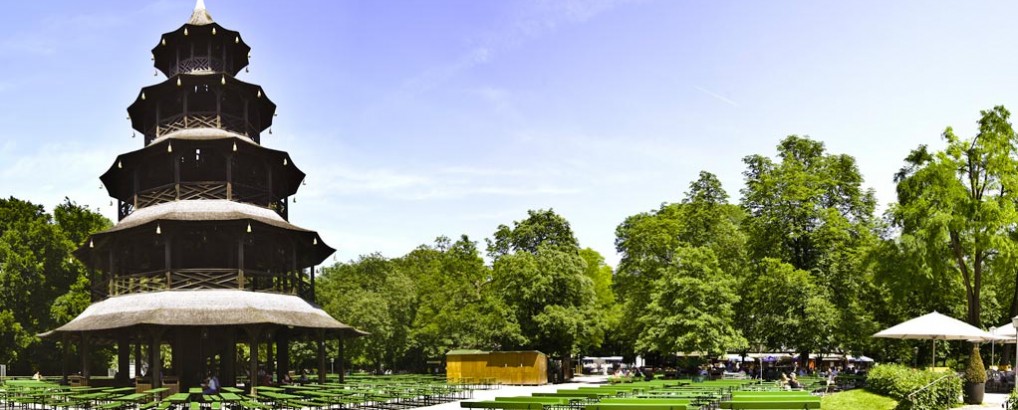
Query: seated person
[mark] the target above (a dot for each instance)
(212, 385)
(794, 383)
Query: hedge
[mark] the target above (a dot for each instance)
(899, 381)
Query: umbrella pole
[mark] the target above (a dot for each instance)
(934, 358)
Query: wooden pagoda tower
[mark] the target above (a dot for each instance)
(203, 256)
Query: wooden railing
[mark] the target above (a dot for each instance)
(200, 65)
(293, 283)
(207, 190)
(206, 119)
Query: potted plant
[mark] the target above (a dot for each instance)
(975, 378)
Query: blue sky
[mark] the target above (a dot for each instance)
(415, 119)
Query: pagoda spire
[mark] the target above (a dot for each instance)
(200, 16)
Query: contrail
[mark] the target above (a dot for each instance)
(716, 95)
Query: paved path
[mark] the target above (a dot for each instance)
(520, 391)
(990, 401)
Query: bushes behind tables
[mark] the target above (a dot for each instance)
(899, 381)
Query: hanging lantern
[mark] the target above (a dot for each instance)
(294, 199)
(164, 41)
(142, 95)
(236, 40)
(304, 182)
(315, 241)
(132, 134)
(249, 227)
(270, 131)
(235, 146)
(178, 82)
(213, 31)
(155, 73)
(223, 81)
(259, 95)
(247, 69)
(185, 31)
(111, 202)
(169, 147)
(284, 161)
(91, 244)
(159, 230)
(120, 164)
(153, 57)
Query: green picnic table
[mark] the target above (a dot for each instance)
(178, 397)
(131, 397)
(232, 390)
(118, 390)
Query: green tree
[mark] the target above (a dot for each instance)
(809, 209)
(539, 279)
(371, 294)
(692, 307)
(39, 278)
(453, 311)
(789, 309)
(542, 227)
(650, 243)
(959, 202)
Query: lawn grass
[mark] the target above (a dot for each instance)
(856, 399)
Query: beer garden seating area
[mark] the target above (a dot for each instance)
(664, 395)
(395, 392)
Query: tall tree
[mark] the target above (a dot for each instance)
(960, 202)
(39, 278)
(809, 209)
(373, 295)
(454, 311)
(691, 307)
(651, 244)
(539, 277)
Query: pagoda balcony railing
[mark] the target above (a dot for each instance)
(290, 283)
(200, 65)
(206, 190)
(203, 119)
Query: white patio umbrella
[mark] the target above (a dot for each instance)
(935, 326)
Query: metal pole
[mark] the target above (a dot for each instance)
(1014, 322)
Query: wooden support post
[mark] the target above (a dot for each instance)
(137, 358)
(282, 354)
(320, 333)
(342, 368)
(270, 360)
(65, 345)
(229, 359)
(252, 340)
(240, 263)
(85, 370)
(229, 176)
(123, 359)
(155, 367)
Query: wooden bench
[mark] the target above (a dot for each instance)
(771, 405)
(506, 405)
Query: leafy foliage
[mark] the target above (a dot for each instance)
(692, 307)
(959, 203)
(975, 372)
(900, 381)
(41, 284)
(809, 210)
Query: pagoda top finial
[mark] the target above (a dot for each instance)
(200, 16)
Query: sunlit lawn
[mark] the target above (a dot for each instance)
(857, 399)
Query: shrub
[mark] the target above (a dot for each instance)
(975, 373)
(899, 382)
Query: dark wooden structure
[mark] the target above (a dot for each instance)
(202, 206)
